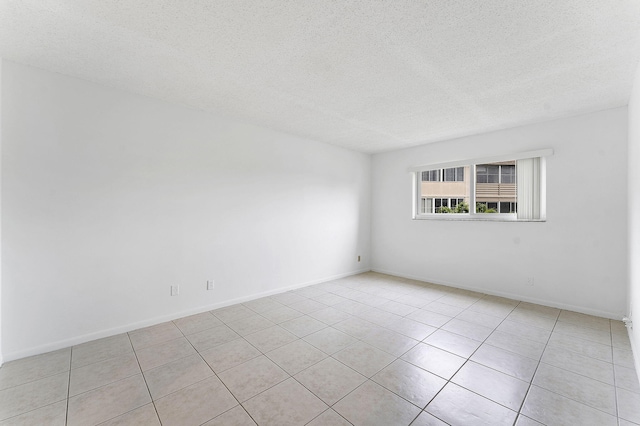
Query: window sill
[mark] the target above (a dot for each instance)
(474, 218)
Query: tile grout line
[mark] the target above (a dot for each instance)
(537, 366)
(468, 360)
(145, 379)
(66, 413)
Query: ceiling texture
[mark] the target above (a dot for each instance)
(370, 76)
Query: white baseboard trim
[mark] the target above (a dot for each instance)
(508, 295)
(61, 344)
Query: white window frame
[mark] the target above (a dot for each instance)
(416, 173)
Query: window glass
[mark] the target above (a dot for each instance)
(494, 194)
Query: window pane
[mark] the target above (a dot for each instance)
(449, 192)
(508, 174)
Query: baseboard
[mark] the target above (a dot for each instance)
(61, 344)
(553, 304)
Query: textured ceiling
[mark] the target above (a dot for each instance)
(367, 75)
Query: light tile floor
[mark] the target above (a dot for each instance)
(365, 350)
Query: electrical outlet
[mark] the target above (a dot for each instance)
(358, 258)
(210, 284)
(175, 290)
(530, 281)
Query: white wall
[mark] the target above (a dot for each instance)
(109, 198)
(634, 219)
(577, 258)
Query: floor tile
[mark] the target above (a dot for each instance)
(329, 299)
(287, 403)
(426, 419)
(329, 418)
(389, 341)
(492, 384)
(545, 311)
(330, 380)
(263, 304)
(49, 415)
(195, 404)
(281, 315)
(626, 378)
(378, 317)
(303, 326)
(212, 337)
(582, 347)
(493, 307)
(307, 306)
(14, 373)
(552, 409)
(430, 318)
(108, 401)
(435, 360)
(460, 300)
(526, 421)
(30, 396)
(229, 355)
(443, 308)
(586, 366)
(176, 375)
(195, 323)
(237, 416)
(296, 356)
(329, 315)
(628, 405)
(623, 357)
(532, 318)
(341, 340)
(157, 355)
(351, 307)
(414, 301)
(364, 358)
(270, 338)
(458, 406)
(329, 340)
(153, 335)
(372, 405)
(576, 387)
(598, 336)
(355, 327)
(145, 415)
(232, 313)
(100, 350)
(250, 324)
(397, 308)
(414, 384)
(252, 377)
(523, 330)
(585, 320)
(98, 374)
(506, 362)
(410, 328)
(287, 298)
(480, 318)
(467, 329)
(311, 291)
(454, 343)
(516, 344)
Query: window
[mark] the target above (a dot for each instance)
(497, 188)
(454, 174)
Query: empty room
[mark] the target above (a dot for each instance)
(319, 212)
